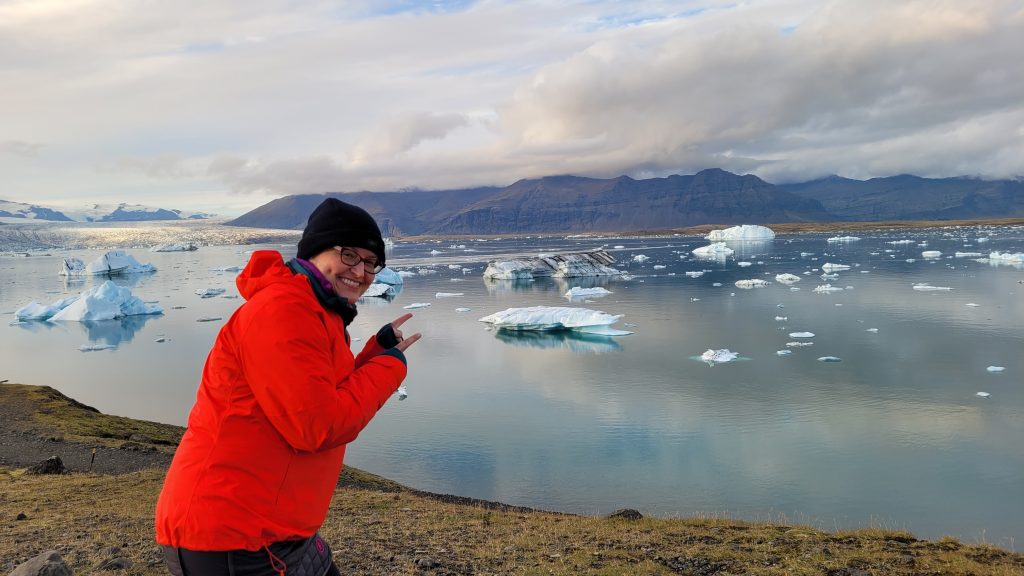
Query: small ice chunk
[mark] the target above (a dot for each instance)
(872, 330)
(781, 318)
(801, 334)
(659, 266)
(463, 309)
(435, 252)
(226, 269)
(695, 273)
(931, 254)
(416, 306)
(713, 357)
(982, 394)
(840, 239)
(925, 287)
(995, 368)
(714, 250)
(752, 283)
(449, 294)
(208, 319)
(402, 392)
(798, 344)
(716, 284)
(641, 258)
(209, 292)
(972, 304)
(783, 352)
(968, 254)
(829, 359)
(830, 267)
(577, 292)
(96, 347)
(160, 340)
(827, 288)
(743, 264)
(787, 278)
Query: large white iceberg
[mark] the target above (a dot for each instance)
(104, 302)
(742, 232)
(556, 318)
(573, 265)
(714, 250)
(114, 262)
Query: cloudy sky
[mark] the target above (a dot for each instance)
(223, 105)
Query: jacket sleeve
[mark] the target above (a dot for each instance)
(287, 359)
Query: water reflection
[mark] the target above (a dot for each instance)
(576, 342)
(548, 284)
(112, 332)
(749, 248)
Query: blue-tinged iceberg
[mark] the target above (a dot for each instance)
(104, 302)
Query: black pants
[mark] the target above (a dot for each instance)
(309, 557)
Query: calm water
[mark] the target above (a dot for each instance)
(894, 435)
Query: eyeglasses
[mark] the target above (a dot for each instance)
(350, 257)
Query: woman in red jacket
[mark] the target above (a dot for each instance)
(281, 396)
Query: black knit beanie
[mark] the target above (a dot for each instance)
(337, 223)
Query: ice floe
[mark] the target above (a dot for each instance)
(555, 318)
(752, 283)
(416, 306)
(830, 267)
(968, 254)
(783, 352)
(641, 258)
(925, 287)
(995, 368)
(1006, 257)
(449, 294)
(572, 265)
(209, 292)
(106, 301)
(841, 239)
(714, 250)
(801, 334)
(115, 262)
(931, 254)
(787, 278)
(577, 292)
(713, 357)
(830, 359)
(827, 288)
(982, 394)
(742, 232)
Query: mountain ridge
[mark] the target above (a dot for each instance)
(574, 204)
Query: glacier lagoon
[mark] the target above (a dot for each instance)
(895, 435)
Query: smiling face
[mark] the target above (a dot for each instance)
(349, 282)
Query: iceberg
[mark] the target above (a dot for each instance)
(713, 357)
(389, 276)
(742, 232)
(378, 290)
(577, 292)
(753, 283)
(787, 278)
(177, 247)
(715, 250)
(104, 302)
(1006, 258)
(570, 265)
(112, 263)
(556, 318)
(830, 267)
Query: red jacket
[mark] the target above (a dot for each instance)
(280, 397)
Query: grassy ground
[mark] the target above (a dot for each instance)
(379, 527)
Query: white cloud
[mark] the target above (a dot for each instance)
(278, 97)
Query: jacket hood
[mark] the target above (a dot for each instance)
(265, 267)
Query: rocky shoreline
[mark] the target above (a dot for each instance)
(95, 515)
